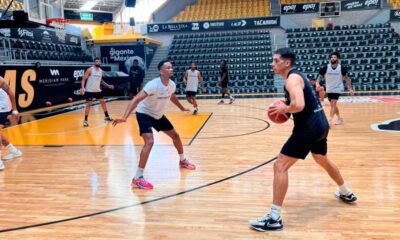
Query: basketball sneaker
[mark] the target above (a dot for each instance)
(221, 102)
(195, 111)
(186, 164)
(141, 183)
(85, 123)
(266, 223)
(231, 100)
(1, 165)
(10, 156)
(108, 119)
(349, 198)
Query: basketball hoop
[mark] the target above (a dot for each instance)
(59, 26)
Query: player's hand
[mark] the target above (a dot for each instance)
(118, 121)
(278, 109)
(111, 87)
(351, 92)
(82, 91)
(185, 82)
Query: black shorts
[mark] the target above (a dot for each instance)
(333, 96)
(146, 123)
(190, 94)
(299, 144)
(224, 84)
(3, 118)
(90, 96)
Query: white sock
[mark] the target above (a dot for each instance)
(275, 212)
(344, 189)
(231, 97)
(139, 172)
(182, 157)
(11, 148)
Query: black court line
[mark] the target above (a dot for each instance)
(137, 204)
(198, 131)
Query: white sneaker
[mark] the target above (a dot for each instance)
(1, 165)
(10, 156)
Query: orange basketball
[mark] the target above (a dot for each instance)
(278, 118)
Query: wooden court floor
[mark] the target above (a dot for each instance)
(82, 190)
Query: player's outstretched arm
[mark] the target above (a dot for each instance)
(175, 101)
(131, 106)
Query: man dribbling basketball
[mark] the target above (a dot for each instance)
(309, 135)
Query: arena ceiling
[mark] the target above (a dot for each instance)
(101, 5)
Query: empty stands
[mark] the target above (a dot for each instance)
(371, 52)
(248, 54)
(224, 9)
(14, 6)
(394, 3)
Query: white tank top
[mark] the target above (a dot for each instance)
(192, 80)
(334, 79)
(93, 82)
(4, 101)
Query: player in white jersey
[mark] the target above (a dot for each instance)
(334, 74)
(151, 103)
(7, 96)
(93, 78)
(192, 79)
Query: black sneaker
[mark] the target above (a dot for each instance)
(349, 198)
(195, 112)
(108, 119)
(266, 223)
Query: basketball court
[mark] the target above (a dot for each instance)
(80, 187)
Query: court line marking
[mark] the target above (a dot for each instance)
(198, 131)
(138, 204)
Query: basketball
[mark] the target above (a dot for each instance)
(278, 118)
(48, 104)
(69, 99)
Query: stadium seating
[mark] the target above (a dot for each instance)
(394, 3)
(14, 6)
(371, 52)
(248, 54)
(223, 9)
(22, 49)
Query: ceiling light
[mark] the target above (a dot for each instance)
(89, 5)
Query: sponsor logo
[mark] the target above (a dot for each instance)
(54, 72)
(120, 55)
(371, 2)
(288, 8)
(206, 25)
(154, 28)
(195, 26)
(308, 7)
(265, 22)
(241, 23)
(78, 73)
(352, 5)
(396, 13)
(25, 33)
(5, 32)
(217, 24)
(46, 37)
(392, 125)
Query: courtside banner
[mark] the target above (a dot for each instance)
(230, 24)
(395, 15)
(33, 87)
(299, 8)
(360, 4)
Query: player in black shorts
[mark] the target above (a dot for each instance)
(309, 135)
(224, 79)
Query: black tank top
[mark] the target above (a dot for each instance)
(312, 119)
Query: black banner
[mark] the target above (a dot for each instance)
(34, 87)
(299, 8)
(231, 24)
(360, 4)
(395, 14)
(124, 56)
(40, 35)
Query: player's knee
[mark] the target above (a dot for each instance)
(279, 167)
(175, 136)
(149, 142)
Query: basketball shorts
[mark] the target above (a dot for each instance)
(333, 96)
(146, 123)
(190, 94)
(224, 84)
(300, 144)
(90, 96)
